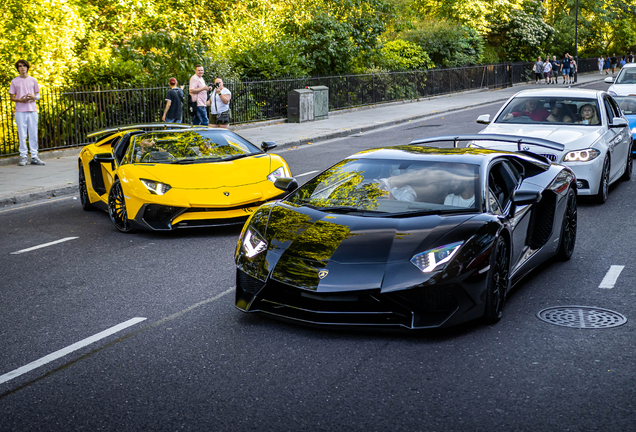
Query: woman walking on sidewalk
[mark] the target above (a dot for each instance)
(601, 60)
(538, 70)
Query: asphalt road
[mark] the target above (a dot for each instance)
(196, 363)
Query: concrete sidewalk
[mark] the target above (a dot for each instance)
(59, 176)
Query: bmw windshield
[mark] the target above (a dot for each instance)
(392, 187)
(551, 110)
(184, 147)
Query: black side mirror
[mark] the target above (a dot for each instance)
(268, 145)
(288, 184)
(104, 158)
(525, 197)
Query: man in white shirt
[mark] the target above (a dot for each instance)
(199, 93)
(220, 105)
(24, 91)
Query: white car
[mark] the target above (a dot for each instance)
(588, 123)
(625, 82)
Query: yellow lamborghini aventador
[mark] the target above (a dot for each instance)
(178, 177)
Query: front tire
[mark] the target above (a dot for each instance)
(117, 208)
(498, 282)
(603, 186)
(83, 190)
(568, 229)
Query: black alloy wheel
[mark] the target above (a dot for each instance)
(568, 229)
(83, 191)
(603, 186)
(117, 208)
(498, 282)
(627, 175)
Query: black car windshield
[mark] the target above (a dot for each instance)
(176, 147)
(551, 110)
(626, 76)
(390, 187)
(627, 104)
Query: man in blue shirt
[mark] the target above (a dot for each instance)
(556, 67)
(565, 68)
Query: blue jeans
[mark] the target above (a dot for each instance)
(173, 120)
(201, 117)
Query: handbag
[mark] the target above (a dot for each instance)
(223, 117)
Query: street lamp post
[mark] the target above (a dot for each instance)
(576, 42)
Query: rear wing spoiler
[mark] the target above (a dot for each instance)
(143, 127)
(493, 137)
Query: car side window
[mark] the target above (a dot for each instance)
(502, 181)
(615, 107)
(608, 111)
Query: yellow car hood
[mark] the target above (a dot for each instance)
(212, 175)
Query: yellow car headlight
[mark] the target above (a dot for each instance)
(156, 188)
(280, 172)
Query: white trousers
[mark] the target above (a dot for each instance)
(27, 122)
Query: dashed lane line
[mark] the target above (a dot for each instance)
(43, 245)
(611, 277)
(69, 349)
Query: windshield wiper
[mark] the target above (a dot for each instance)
(432, 212)
(343, 209)
(195, 160)
(235, 157)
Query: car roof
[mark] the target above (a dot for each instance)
(629, 65)
(565, 92)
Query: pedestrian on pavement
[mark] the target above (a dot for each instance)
(220, 105)
(547, 68)
(607, 64)
(573, 67)
(24, 91)
(601, 61)
(199, 94)
(614, 63)
(622, 62)
(630, 57)
(565, 68)
(556, 66)
(173, 113)
(538, 70)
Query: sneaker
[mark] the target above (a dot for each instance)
(36, 161)
(23, 161)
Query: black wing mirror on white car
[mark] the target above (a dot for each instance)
(609, 80)
(618, 122)
(484, 119)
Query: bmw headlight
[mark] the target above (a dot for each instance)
(156, 188)
(613, 93)
(280, 172)
(253, 243)
(433, 258)
(581, 155)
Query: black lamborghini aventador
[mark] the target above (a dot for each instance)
(407, 237)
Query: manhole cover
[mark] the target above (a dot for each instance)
(581, 317)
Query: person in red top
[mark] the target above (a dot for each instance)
(532, 110)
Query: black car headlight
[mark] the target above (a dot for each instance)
(433, 259)
(156, 188)
(253, 243)
(581, 155)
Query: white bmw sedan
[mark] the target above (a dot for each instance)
(625, 82)
(588, 123)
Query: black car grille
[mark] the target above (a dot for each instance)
(430, 299)
(222, 209)
(248, 283)
(417, 308)
(549, 156)
(201, 223)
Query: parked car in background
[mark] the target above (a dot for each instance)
(625, 82)
(596, 136)
(407, 237)
(167, 176)
(627, 105)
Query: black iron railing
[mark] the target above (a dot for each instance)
(67, 116)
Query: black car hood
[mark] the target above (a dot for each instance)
(306, 241)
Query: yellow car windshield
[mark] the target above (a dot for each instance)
(190, 147)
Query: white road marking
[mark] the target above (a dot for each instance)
(611, 277)
(69, 349)
(307, 173)
(27, 205)
(43, 245)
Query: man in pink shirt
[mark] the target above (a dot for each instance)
(199, 93)
(24, 91)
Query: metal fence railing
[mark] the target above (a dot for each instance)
(67, 116)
